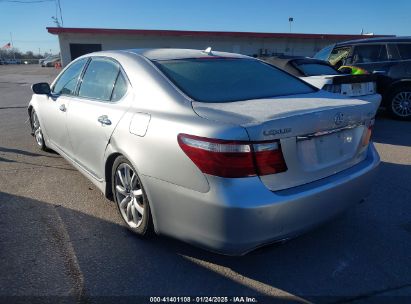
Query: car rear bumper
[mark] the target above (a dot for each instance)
(239, 215)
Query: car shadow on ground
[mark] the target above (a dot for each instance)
(35, 165)
(48, 249)
(26, 153)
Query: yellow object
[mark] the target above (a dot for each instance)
(353, 70)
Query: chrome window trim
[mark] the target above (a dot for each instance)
(54, 95)
(121, 70)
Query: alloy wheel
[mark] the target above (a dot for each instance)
(401, 104)
(129, 194)
(38, 134)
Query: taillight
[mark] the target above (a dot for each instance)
(367, 133)
(269, 158)
(227, 158)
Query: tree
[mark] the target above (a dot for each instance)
(15, 53)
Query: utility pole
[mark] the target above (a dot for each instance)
(12, 45)
(290, 20)
(61, 14)
(56, 21)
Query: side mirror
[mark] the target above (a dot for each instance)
(42, 88)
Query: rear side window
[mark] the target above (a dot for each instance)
(369, 53)
(120, 88)
(313, 69)
(99, 78)
(67, 82)
(405, 50)
(227, 79)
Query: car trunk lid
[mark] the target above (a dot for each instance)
(320, 133)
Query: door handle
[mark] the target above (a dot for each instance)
(63, 108)
(103, 119)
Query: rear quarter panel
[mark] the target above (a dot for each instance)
(156, 153)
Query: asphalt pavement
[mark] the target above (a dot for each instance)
(61, 240)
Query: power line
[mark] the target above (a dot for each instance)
(57, 12)
(57, 3)
(26, 2)
(30, 41)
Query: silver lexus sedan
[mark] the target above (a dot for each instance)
(217, 149)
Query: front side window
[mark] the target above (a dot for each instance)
(99, 78)
(314, 69)
(369, 53)
(229, 79)
(67, 82)
(405, 50)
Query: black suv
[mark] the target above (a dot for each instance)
(388, 58)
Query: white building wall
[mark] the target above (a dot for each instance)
(248, 46)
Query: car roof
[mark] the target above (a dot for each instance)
(375, 40)
(170, 54)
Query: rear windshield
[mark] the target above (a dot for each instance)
(324, 53)
(314, 69)
(227, 79)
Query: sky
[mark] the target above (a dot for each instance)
(28, 21)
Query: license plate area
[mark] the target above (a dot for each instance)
(357, 89)
(322, 150)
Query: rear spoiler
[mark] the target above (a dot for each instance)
(354, 78)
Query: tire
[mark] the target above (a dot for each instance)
(399, 103)
(37, 131)
(131, 199)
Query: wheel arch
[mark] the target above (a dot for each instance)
(107, 173)
(30, 109)
(396, 85)
(108, 179)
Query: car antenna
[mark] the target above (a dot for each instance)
(208, 51)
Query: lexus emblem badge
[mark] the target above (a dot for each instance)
(339, 118)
